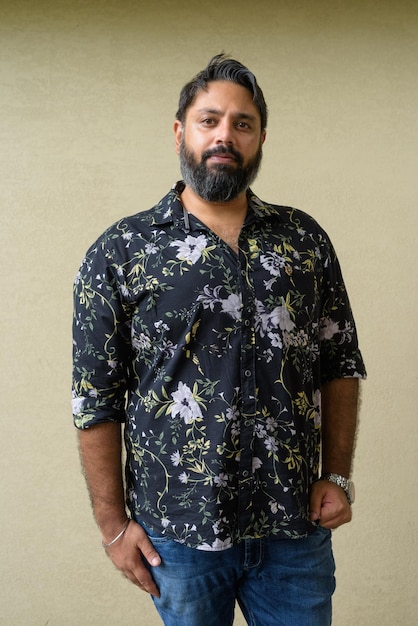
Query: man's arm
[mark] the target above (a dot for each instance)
(100, 451)
(329, 502)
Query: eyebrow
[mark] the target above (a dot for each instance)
(239, 115)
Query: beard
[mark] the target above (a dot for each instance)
(218, 183)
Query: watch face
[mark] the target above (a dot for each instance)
(351, 491)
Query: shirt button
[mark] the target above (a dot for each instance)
(247, 322)
(247, 373)
(245, 473)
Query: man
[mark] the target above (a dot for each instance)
(217, 329)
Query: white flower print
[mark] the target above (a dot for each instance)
(215, 527)
(268, 354)
(268, 284)
(271, 444)
(260, 431)
(101, 278)
(221, 480)
(184, 478)
(232, 413)
(283, 318)
(276, 341)
(299, 339)
(218, 544)
(142, 342)
(257, 463)
(168, 348)
(272, 262)
(270, 320)
(233, 305)
(328, 328)
(346, 332)
(77, 404)
(317, 406)
(275, 507)
(235, 429)
(160, 326)
(210, 297)
(264, 320)
(176, 458)
(151, 248)
(124, 289)
(184, 404)
(190, 249)
(271, 424)
(128, 236)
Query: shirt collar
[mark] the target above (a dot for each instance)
(170, 208)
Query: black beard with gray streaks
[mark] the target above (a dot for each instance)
(218, 183)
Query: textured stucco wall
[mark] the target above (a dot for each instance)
(87, 98)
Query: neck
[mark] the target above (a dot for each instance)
(225, 219)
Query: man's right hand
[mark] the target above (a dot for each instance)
(128, 554)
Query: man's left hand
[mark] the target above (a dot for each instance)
(329, 505)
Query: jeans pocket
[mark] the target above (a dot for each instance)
(155, 536)
(324, 531)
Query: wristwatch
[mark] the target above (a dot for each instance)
(342, 482)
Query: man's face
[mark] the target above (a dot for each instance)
(220, 143)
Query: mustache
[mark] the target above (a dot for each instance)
(223, 150)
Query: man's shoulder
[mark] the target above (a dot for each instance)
(288, 215)
(135, 230)
(161, 213)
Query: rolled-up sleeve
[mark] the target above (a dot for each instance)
(339, 349)
(101, 342)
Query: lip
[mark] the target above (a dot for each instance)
(222, 158)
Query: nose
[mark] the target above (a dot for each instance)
(225, 132)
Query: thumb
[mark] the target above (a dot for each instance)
(149, 552)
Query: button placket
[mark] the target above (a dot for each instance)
(248, 388)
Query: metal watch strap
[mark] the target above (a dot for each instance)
(342, 482)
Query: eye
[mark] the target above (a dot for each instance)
(208, 121)
(243, 125)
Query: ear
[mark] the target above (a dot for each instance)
(263, 137)
(178, 134)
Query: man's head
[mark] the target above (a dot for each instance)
(220, 129)
(221, 67)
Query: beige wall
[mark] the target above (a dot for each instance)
(88, 90)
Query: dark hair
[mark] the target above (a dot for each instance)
(220, 67)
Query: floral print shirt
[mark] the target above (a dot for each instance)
(214, 362)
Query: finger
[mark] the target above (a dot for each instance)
(148, 551)
(150, 587)
(332, 519)
(151, 555)
(144, 580)
(315, 504)
(315, 512)
(139, 575)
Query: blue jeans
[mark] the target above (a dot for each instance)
(276, 582)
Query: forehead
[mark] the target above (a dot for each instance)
(225, 97)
